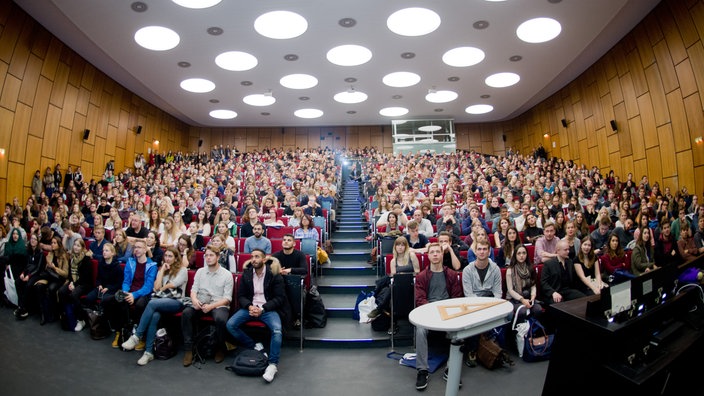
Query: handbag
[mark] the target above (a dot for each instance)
(10, 287)
(99, 328)
(538, 344)
(365, 307)
(322, 256)
(164, 347)
(490, 354)
(328, 247)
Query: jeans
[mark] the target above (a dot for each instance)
(270, 319)
(150, 318)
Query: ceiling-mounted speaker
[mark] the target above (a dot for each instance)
(200, 142)
(503, 137)
(86, 134)
(564, 122)
(139, 129)
(613, 125)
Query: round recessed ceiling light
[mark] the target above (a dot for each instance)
(308, 113)
(414, 21)
(214, 101)
(298, 81)
(453, 78)
(479, 25)
(396, 97)
(401, 79)
(157, 38)
(138, 6)
(501, 80)
(215, 31)
(351, 112)
(236, 61)
(197, 4)
(259, 100)
(408, 55)
(479, 109)
(350, 97)
(393, 111)
(463, 56)
(184, 64)
(303, 98)
(246, 83)
(347, 22)
(223, 114)
(430, 128)
(350, 79)
(538, 30)
(265, 113)
(441, 96)
(438, 110)
(280, 25)
(197, 85)
(291, 57)
(485, 96)
(515, 58)
(349, 55)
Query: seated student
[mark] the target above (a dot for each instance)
(306, 229)
(416, 240)
(436, 282)
(449, 222)
(686, 245)
(312, 208)
(260, 299)
(109, 278)
(614, 259)
(586, 266)
(403, 261)
(167, 297)
(545, 246)
(480, 236)
(480, 278)
(51, 279)
(28, 276)
(137, 283)
(521, 287)
(508, 247)
(257, 240)
(532, 232)
(294, 262)
(425, 227)
(197, 240)
(571, 238)
(451, 252)
(666, 252)
(472, 219)
(249, 220)
(558, 279)
(643, 256)
(600, 236)
(123, 249)
(211, 294)
(154, 250)
(80, 282)
(226, 258)
(135, 230)
(96, 247)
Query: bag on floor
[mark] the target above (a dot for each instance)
(435, 361)
(314, 314)
(322, 256)
(365, 307)
(360, 297)
(249, 363)
(68, 318)
(98, 324)
(537, 344)
(204, 344)
(490, 354)
(164, 347)
(10, 287)
(328, 247)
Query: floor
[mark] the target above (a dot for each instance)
(42, 360)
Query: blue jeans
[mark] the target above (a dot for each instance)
(270, 319)
(150, 318)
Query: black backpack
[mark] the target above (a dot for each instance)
(204, 344)
(314, 314)
(249, 362)
(164, 347)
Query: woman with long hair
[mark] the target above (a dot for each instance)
(167, 298)
(501, 231)
(521, 283)
(114, 221)
(614, 258)
(222, 230)
(80, 282)
(109, 277)
(226, 258)
(170, 234)
(403, 261)
(123, 249)
(508, 246)
(197, 240)
(203, 224)
(51, 279)
(154, 249)
(186, 253)
(643, 256)
(560, 225)
(29, 275)
(581, 225)
(154, 222)
(571, 239)
(586, 265)
(295, 220)
(306, 230)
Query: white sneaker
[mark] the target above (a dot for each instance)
(80, 325)
(258, 346)
(270, 372)
(130, 343)
(146, 358)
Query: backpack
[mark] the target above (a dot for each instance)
(249, 362)
(164, 347)
(99, 327)
(314, 314)
(328, 247)
(204, 344)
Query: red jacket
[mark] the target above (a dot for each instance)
(454, 288)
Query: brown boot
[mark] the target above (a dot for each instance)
(187, 358)
(219, 356)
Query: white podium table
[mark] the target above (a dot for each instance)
(461, 327)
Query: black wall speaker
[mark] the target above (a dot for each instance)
(564, 122)
(139, 129)
(503, 137)
(86, 134)
(613, 125)
(200, 142)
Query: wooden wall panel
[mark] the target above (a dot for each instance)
(49, 95)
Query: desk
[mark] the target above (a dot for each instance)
(458, 329)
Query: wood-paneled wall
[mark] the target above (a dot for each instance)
(49, 95)
(652, 85)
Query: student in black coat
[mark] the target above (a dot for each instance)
(558, 279)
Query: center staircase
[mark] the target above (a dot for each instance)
(343, 279)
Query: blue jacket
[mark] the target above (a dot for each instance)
(149, 277)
